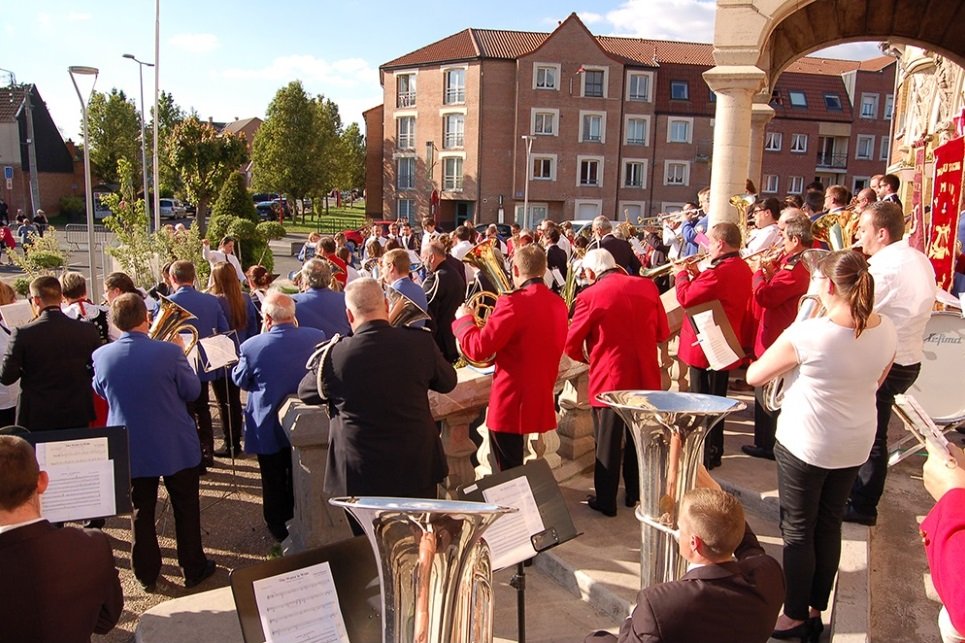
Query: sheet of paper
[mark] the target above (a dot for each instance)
(300, 606)
(16, 314)
(79, 491)
(220, 351)
(716, 349)
(52, 454)
(509, 536)
(558, 277)
(193, 357)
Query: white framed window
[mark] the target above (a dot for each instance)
(546, 76)
(405, 89)
(679, 130)
(676, 172)
(885, 148)
(592, 127)
(453, 131)
(587, 208)
(544, 121)
(634, 173)
(889, 105)
(637, 130)
(632, 209)
(798, 98)
(864, 147)
(537, 211)
(590, 171)
(679, 90)
(405, 173)
(452, 173)
(795, 184)
(771, 184)
(869, 105)
(859, 183)
(543, 168)
(405, 209)
(773, 141)
(405, 132)
(799, 143)
(455, 92)
(594, 81)
(638, 85)
(671, 206)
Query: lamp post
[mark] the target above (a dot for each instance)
(529, 151)
(74, 72)
(140, 68)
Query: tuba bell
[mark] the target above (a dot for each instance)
(170, 320)
(742, 203)
(491, 282)
(402, 310)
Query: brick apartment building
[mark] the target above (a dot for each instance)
(619, 126)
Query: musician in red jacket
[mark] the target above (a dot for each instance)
(620, 321)
(525, 332)
(727, 279)
(778, 287)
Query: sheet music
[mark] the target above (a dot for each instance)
(16, 314)
(558, 277)
(220, 351)
(716, 349)
(300, 606)
(51, 454)
(509, 536)
(78, 491)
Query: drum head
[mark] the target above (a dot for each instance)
(938, 388)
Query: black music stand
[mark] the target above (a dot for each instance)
(356, 578)
(205, 365)
(558, 526)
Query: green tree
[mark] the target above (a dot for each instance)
(204, 158)
(137, 250)
(251, 240)
(115, 130)
(328, 132)
(170, 114)
(353, 157)
(235, 200)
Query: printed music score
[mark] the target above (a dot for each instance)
(16, 314)
(300, 606)
(220, 351)
(509, 536)
(81, 480)
(713, 342)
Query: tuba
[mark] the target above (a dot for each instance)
(402, 310)
(833, 229)
(668, 432)
(434, 567)
(741, 203)
(170, 320)
(488, 260)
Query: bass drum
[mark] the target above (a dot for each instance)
(938, 387)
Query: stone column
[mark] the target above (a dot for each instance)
(575, 428)
(761, 115)
(459, 449)
(735, 87)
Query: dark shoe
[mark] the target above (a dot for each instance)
(741, 386)
(592, 504)
(209, 569)
(801, 632)
(148, 587)
(755, 451)
(850, 515)
(225, 452)
(630, 502)
(95, 523)
(817, 627)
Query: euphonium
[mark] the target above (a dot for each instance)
(434, 567)
(402, 310)
(830, 229)
(741, 203)
(170, 320)
(488, 260)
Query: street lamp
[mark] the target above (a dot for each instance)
(529, 151)
(74, 72)
(140, 68)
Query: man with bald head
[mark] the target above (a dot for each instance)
(270, 368)
(392, 447)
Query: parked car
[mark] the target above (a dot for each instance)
(505, 232)
(267, 210)
(171, 208)
(190, 208)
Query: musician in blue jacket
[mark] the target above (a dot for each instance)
(318, 306)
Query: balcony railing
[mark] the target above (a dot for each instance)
(405, 99)
(455, 95)
(452, 140)
(838, 161)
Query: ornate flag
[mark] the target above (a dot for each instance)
(945, 207)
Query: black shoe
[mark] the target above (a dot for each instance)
(592, 504)
(209, 569)
(850, 515)
(817, 627)
(801, 632)
(225, 452)
(755, 451)
(148, 587)
(95, 523)
(630, 502)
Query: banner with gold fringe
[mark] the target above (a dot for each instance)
(945, 207)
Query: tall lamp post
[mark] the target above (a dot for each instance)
(140, 67)
(529, 152)
(74, 72)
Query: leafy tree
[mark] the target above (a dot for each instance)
(353, 157)
(114, 129)
(170, 114)
(235, 200)
(328, 131)
(45, 258)
(204, 158)
(137, 250)
(251, 239)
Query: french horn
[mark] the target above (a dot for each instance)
(171, 319)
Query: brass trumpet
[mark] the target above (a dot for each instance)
(659, 271)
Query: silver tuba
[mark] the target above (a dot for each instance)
(668, 432)
(434, 567)
(402, 310)
(170, 320)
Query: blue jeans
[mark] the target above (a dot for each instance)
(812, 508)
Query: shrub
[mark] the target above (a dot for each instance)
(72, 206)
(234, 199)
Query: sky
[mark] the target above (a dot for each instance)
(227, 60)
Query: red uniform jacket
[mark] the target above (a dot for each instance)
(777, 300)
(526, 332)
(621, 320)
(729, 280)
(943, 532)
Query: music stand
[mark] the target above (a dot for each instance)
(558, 527)
(205, 365)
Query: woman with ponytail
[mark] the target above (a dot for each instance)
(825, 430)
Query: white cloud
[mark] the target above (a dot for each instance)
(590, 17)
(689, 20)
(194, 43)
(347, 72)
(851, 51)
(77, 16)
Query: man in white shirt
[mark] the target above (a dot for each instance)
(766, 232)
(905, 293)
(429, 233)
(225, 252)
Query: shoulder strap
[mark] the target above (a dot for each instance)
(316, 363)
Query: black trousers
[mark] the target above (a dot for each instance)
(277, 491)
(507, 449)
(765, 422)
(229, 407)
(201, 412)
(870, 483)
(182, 488)
(611, 433)
(812, 507)
(704, 380)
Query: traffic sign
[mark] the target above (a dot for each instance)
(8, 174)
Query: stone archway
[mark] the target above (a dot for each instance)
(755, 41)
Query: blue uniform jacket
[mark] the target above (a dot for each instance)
(271, 366)
(146, 384)
(413, 291)
(323, 309)
(210, 319)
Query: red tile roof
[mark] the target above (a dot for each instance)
(11, 98)
(876, 64)
(494, 43)
(814, 86)
(459, 46)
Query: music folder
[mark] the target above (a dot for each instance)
(715, 334)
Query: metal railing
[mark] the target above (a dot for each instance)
(405, 99)
(832, 160)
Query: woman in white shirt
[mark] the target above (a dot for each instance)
(225, 252)
(825, 430)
